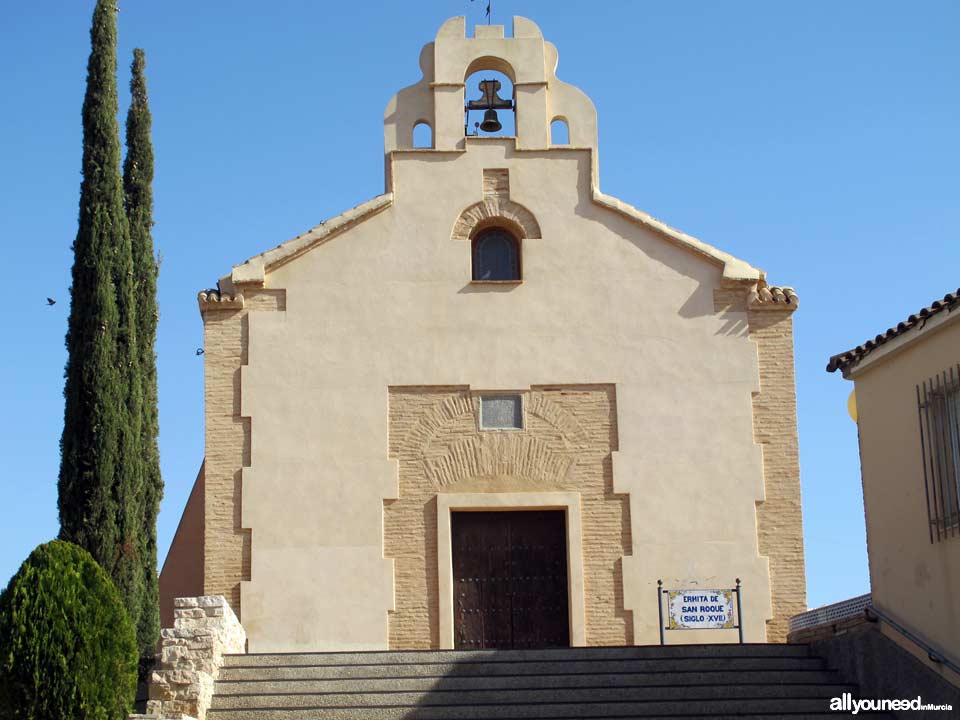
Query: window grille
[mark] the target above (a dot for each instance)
(501, 412)
(496, 256)
(938, 404)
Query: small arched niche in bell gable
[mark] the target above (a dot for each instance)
(422, 135)
(495, 253)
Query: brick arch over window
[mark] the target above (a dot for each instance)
(420, 437)
(496, 211)
(517, 456)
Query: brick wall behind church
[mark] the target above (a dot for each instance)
(566, 445)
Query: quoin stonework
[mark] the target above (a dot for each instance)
(492, 406)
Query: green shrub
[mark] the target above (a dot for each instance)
(67, 647)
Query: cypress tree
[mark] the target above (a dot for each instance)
(138, 193)
(100, 480)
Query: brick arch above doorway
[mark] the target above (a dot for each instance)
(445, 405)
(496, 455)
(574, 426)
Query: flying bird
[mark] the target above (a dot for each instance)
(51, 301)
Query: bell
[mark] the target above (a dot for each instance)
(490, 121)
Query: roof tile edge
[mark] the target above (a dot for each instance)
(849, 358)
(213, 299)
(772, 297)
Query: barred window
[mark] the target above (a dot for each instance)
(938, 402)
(496, 256)
(501, 412)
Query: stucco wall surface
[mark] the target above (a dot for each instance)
(390, 303)
(914, 580)
(306, 493)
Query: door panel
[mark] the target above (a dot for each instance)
(539, 579)
(510, 579)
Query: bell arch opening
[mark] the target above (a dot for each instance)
(490, 64)
(489, 100)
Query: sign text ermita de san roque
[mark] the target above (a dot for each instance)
(700, 609)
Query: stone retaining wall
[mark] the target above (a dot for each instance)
(189, 657)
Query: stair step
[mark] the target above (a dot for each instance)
(438, 682)
(527, 697)
(783, 715)
(404, 657)
(703, 708)
(699, 682)
(510, 668)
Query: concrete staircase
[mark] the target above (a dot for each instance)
(704, 681)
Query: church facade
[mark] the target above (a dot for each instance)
(493, 406)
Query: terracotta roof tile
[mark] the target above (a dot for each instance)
(841, 361)
(765, 296)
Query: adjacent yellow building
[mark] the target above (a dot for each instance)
(907, 395)
(493, 406)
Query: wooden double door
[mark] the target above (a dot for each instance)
(510, 579)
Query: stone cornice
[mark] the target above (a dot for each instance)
(254, 270)
(734, 269)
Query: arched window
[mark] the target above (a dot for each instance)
(496, 256)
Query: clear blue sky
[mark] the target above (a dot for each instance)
(817, 140)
